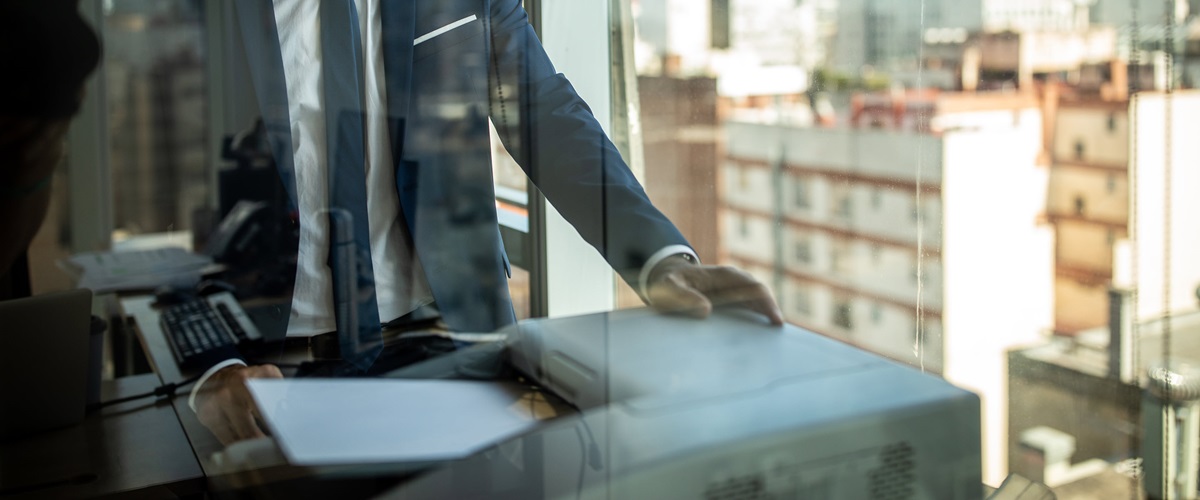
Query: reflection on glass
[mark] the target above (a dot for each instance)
(997, 193)
(943, 183)
(157, 84)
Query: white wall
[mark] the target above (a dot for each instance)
(1148, 186)
(999, 273)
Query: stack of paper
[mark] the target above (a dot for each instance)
(363, 421)
(137, 269)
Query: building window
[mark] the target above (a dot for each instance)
(1080, 205)
(876, 313)
(844, 207)
(1112, 122)
(743, 226)
(720, 29)
(916, 213)
(842, 314)
(1079, 150)
(876, 254)
(802, 303)
(1111, 184)
(803, 251)
(800, 193)
(876, 199)
(743, 179)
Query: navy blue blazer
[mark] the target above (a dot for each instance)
(440, 95)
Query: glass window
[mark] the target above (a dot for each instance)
(156, 76)
(960, 163)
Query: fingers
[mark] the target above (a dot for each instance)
(676, 295)
(225, 405)
(242, 425)
(737, 288)
(697, 289)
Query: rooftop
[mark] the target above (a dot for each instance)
(1088, 351)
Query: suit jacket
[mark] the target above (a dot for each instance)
(440, 94)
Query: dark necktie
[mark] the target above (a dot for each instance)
(356, 311)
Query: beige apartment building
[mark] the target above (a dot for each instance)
(1088, 206)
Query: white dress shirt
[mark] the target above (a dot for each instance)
(400, 284)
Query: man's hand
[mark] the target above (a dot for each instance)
(225, 406)
(678, 286)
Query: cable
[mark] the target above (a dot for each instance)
(167, 391)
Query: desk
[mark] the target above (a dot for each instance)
(133, 450)
(162, 361)
(272, 473)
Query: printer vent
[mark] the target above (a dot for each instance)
(750, 487)
(894, 478)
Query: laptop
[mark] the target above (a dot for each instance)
(43, 361)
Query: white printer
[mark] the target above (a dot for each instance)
(726, 408)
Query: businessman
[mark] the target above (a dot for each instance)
(377, 114)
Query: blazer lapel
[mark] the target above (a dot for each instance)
(260, 36)
(399, 21)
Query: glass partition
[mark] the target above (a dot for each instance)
(988, 198)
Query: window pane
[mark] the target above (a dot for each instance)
(154, 65)
(945, 184)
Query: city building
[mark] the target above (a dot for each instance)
(680, 138)
(1088, 206)
(156, 93)
(914, 233)
(1089, 389)
(1037, 15)
(708, 38)
(1065, 390)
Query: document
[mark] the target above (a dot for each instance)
(363, 421)
(137, 269)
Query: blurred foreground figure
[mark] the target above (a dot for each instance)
(47, 52)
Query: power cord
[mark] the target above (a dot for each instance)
(166, 391)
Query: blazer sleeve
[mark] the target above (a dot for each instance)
(551, 132)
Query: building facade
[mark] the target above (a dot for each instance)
(915, 235)
(1088, 206)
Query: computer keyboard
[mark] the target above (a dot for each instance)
(206, 330)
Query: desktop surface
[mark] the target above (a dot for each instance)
(136, 448)
(678, 407)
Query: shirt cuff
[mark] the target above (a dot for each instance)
(204, 378)
(657, 258)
